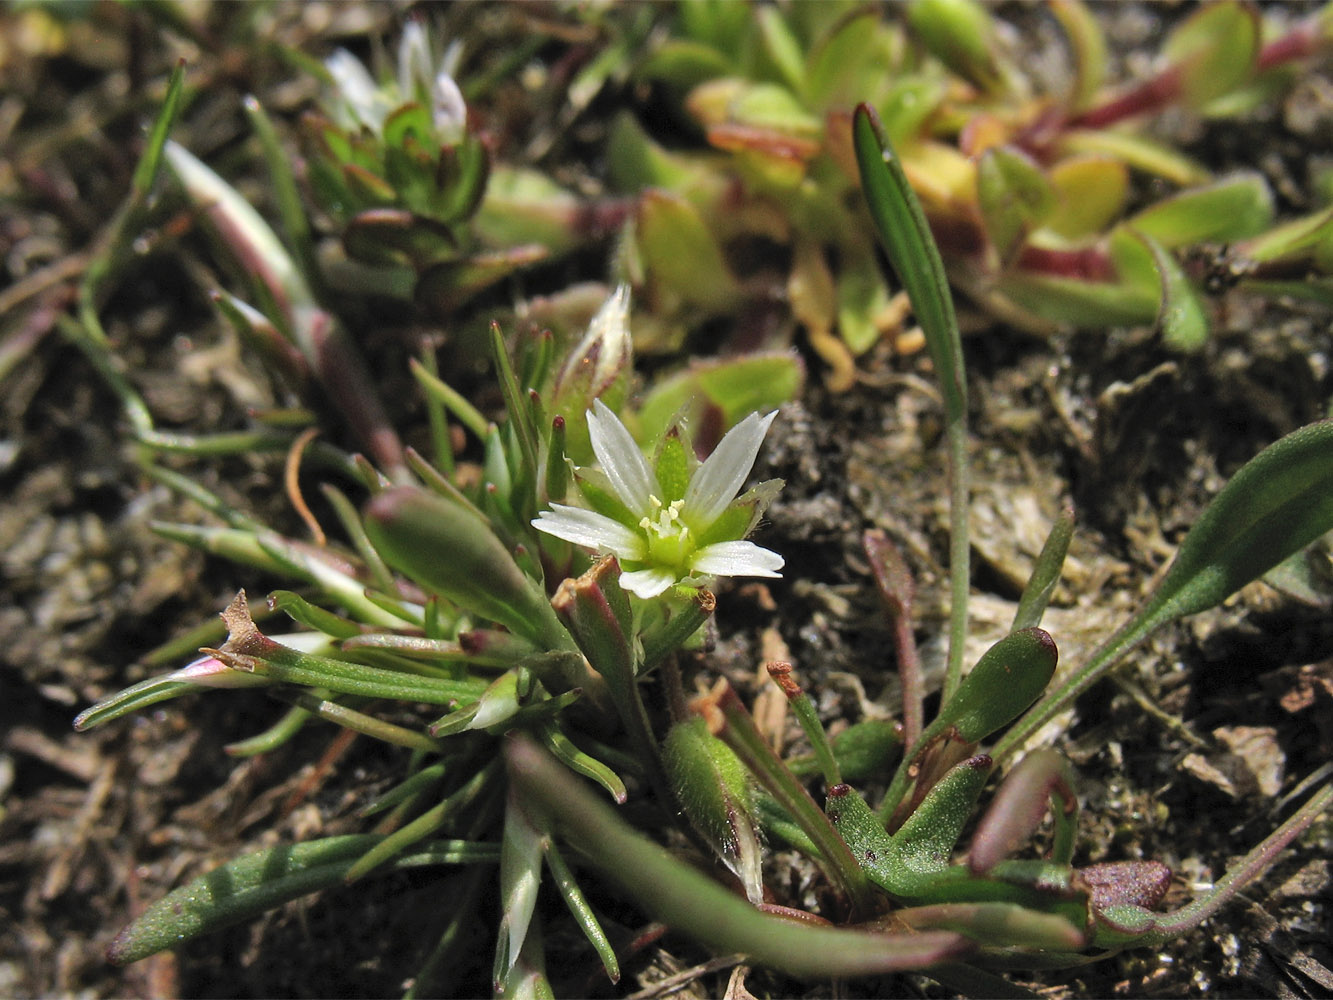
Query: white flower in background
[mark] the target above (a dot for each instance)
(361, 102)
(662, 539)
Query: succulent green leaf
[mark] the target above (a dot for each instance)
(682, 255)
(781, 47)
(1090, 193)
(448, 285)
(1009, 677)
(1215, 49)
(1227, 210)
(755, 383)
(1137, 151)
(1181, 318)
(1014, 196)
(961, 34)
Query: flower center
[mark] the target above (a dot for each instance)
(669, 541)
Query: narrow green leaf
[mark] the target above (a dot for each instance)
(906, 235)
(1278, 503)
(291, 211)
(132, 699)
(581, 763)
(1045, 572)
(271, 738)
(583, 915)
(304, 613)
(912, 251)
(358, 722)
(250, 885)
(687, 900)
(145, 172)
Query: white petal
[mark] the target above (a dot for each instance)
(647, 582)
(356, 88)
(627, 470)
(449, 112)
(736, 559)
(413, 61)
(720, 478)
(587, 527)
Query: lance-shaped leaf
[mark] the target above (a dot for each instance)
(1009, 677)
(685, 899)
(250, 885)
(452, 552)
(907, 237)
(1045, 572)
(1278, 503)
(207, 671)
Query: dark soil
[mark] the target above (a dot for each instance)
(94, 826)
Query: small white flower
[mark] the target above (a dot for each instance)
(661, 541)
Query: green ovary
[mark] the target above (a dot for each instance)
(670, 543)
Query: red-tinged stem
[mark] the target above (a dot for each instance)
(1300, 42)
(1254, 864)
(1148, 97)
(1087, 264)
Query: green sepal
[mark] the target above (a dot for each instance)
(674, 464)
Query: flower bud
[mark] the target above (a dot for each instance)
(716, 793)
